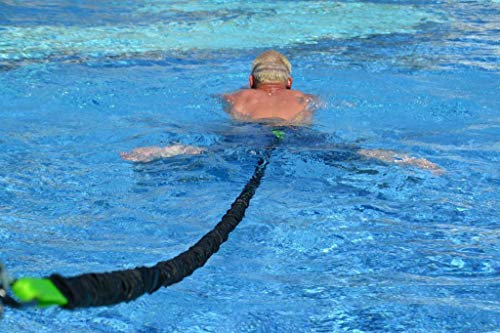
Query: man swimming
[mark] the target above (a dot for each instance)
(270, 100)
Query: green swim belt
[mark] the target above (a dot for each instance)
(279, 134)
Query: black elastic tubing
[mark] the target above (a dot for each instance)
(96, 289)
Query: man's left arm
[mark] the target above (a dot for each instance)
(153, 153)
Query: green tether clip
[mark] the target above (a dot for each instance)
(279, 134)
(42, 291)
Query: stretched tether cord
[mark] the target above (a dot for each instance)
(97, 289)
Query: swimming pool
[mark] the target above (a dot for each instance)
(328, 244)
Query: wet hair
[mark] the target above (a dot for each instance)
(271, 67)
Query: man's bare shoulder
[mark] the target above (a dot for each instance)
(246, 93)
(300, 94)
(312, 102)
(241, 94)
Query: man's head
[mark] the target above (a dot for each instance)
(271, 67)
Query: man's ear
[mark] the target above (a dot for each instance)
(251, 81)
(289, 83)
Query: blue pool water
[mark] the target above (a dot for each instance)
(330, 243)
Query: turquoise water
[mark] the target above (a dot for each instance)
(330, 242)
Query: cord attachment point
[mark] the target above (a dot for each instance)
(4, 285)
(5, 299)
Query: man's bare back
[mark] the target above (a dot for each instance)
(271, 104)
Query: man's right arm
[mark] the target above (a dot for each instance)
(391, 156)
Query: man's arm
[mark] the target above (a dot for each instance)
(149, 154)
(390, 156)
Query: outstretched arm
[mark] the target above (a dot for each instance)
(152, 153)
(401, 159)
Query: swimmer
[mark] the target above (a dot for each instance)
(270, 100)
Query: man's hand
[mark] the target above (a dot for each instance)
(149, 154)
(401, 159)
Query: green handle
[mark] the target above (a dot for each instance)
(43, 291)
